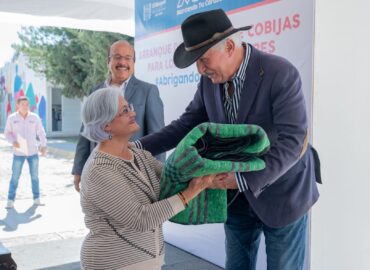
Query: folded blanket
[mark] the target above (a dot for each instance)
(207, 149)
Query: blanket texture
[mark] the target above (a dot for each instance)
(207, 149)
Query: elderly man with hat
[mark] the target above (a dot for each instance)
(242, 85)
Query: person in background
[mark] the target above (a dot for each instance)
(242, 85)
(144, 97)
(21, 130)
(120, 190)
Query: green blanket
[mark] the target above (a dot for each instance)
(207, 149)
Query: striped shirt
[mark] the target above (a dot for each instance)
(231, 103)
(120, 200)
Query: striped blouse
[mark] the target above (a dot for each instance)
(120, 200)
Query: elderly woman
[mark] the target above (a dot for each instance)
(120, 190)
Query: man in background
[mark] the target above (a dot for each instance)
(142, 95)
(21, 130)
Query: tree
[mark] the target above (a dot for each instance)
(74, 60)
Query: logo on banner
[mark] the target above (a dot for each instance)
(154, 9)
(147, 12)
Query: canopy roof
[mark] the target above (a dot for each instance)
(117, 13)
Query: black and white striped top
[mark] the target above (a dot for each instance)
(120, 200)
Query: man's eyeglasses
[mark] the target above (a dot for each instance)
(126, 109)
(118, 57)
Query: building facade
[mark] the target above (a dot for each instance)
(59, 115)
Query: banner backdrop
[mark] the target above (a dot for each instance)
(284, 28)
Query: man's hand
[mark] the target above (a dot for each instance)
(43, 150)
(76, 181)
(224, 181)
(16, 145)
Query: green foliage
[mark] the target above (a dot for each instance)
(74, 60)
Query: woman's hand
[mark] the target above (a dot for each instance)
(203, 182)
(198, 184)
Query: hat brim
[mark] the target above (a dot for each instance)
(183, 58)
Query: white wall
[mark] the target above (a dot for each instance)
(341, 132)
(71, 116)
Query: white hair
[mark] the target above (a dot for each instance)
(234, 37)
(98, 110)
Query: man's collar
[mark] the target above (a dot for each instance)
(108, 82)
(24, 117)
(240, 73)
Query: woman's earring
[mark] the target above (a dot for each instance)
(110, 136)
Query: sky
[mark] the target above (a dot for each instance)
(8, 35)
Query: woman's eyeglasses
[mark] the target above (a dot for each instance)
(126, 109)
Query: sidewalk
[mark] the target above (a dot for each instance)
(50, 236)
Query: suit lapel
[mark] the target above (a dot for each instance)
(130, 89)
(254, 75)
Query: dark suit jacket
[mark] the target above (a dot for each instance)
(149, 116)
(272, 98)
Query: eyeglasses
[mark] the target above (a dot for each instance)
(118, 57)
(126, 110)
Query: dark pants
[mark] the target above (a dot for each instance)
(285, 246)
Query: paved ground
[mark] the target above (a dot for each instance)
(49, 236)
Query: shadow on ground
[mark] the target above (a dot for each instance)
(13, 218)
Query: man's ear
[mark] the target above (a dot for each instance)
(230, 46)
